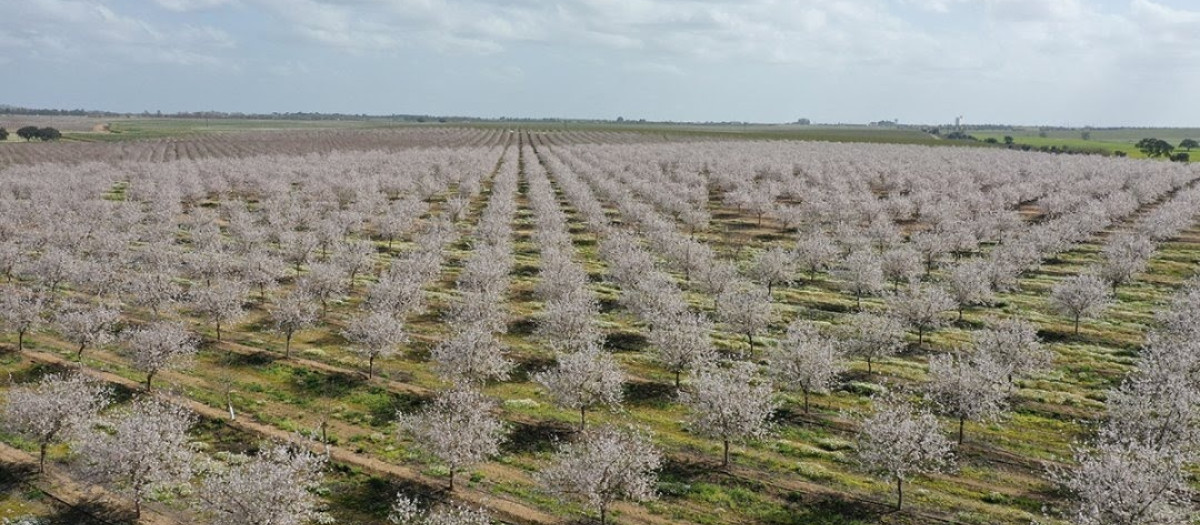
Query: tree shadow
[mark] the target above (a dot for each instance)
(536, 437)
(522, 326)
(527, 366)
(625, 342)
(646, 393)
(16, 477)
(319, 383)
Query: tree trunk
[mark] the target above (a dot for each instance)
(1077, 325)
(920, 336)
(677, 379)
(371, 367)
(899, 493)
(961, 421)
(20, 340)
(451, 479)
(42, 456)
(287, 345)
(805, 400)
(149, 380)
(960, 313)
(869, 365)
(725, 453)
(218, 331)
(582, 418)
(603, 513)
(79, 353)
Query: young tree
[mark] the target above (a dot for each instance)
(22, 310)
(375, 335)
(747, 310)
(772, 266)
(221, 303)
(861, 274)
(1015, 345)
(88, 326)
(729, 404)
(473, 355)
(872, 336)
(293, 312)
(405, 511)
(899, 440)
(806, 360)
(921, 307)
(603, 466)
(583, 380)
(1125, 482)
(457, 427)
(158, 346)
(681, 342)
(967, 388)
(969, 284)
(141, 451)
(54, 410)
(1080, 296)
(276, 486)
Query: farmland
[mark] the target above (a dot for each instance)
(526, 247)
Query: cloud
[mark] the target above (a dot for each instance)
(191, 5)
(81, 31)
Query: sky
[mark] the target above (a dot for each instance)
(1043, 62)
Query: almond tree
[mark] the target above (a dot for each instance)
(324, 282)
(457, 427)
(861, 274)
(221, 303)
(682, 342)
(54, 410)
(1123, 257)
(814, 251)
(729, 404)
(772, 266)
(88, 325)
(901, 264)
(603, 466)
(1015, 345)
(1125, 482)
(276, 486)
(293, 312)
(921, 307)
(22, 310)
(141, 451)
(582, 380)
(871, 336)
(969, 284)
(746, 310)
(806, 360)
(899, 441)
(967, 388)
(158, 346)
(473, 355)
(568, 323)
(375, 335)
(1080, 296)
(405, 511)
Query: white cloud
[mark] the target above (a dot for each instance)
(191, 5)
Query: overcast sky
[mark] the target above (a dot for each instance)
(1060, 62)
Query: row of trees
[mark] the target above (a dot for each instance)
(33, 132)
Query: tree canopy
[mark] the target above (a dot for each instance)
(1153, 147)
